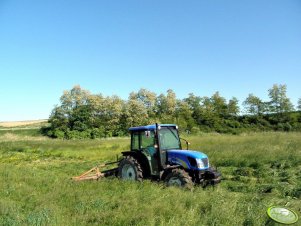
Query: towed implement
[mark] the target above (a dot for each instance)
(156, 153)
(96, 173)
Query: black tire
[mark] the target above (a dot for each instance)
(130, 169)
(179, 178)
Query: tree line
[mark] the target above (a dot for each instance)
(82, 114)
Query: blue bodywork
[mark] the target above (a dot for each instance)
(181, 157)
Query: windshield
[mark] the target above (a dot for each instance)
(169, 138)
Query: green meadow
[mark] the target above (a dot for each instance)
(259, 170)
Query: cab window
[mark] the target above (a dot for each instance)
(169, 138)
(135, 141)
(147, 139)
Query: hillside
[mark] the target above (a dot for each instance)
(23, 124)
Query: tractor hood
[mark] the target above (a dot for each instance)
(189, 159)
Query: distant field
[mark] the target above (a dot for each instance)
(259, 170)
(23, 123)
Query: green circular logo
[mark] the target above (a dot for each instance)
(282, 215)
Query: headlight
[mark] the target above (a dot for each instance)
(202, 163)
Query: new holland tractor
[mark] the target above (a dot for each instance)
(156, 153)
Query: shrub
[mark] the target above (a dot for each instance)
(75, 134)
(97, 133)
(58, 134)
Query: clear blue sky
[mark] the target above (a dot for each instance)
(115, 47)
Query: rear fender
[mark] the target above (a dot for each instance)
(142, 160)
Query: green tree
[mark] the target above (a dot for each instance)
(166, 106)
(194, 103)
(111, 115)
(219, 104)
(299, 104)
(107, 113)
(233, 108)
(299, 108)
(135, 113)
(82, 114)
(254, 105)
(81, 118)
(148, 99)
(72, 113)
(74, 98)
(208, 116)
(59, 123)
(279, 103)
(184, 118)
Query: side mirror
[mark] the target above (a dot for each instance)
(187, 143)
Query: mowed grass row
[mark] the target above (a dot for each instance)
(259, 170)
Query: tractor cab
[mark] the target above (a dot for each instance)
(153, 141)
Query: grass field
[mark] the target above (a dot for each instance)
(259, 170)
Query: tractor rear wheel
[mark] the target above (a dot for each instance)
(130, 169)
(179, 178)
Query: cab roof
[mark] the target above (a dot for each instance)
(150, 127)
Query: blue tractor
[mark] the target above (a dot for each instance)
(156, 153)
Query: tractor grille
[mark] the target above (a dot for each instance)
(206, 162)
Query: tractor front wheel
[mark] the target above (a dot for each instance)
(179, 178)
(130, 169)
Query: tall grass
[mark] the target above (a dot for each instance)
(259, 170)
